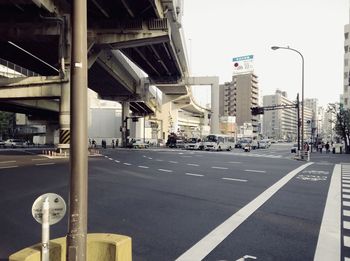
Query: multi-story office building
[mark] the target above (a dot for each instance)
(346, 92)
(282, 123)
(238, 97)
(312, 104)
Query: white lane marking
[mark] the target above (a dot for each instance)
(173, 161)
(117, 161)
(346, 213)
(159, 160)
(186, 156)
(45, 164)
(39, 159)
(346, 224)
(346, 241)
(346, 181)
(346, 190)
(235, 162)
(144, 156)
(127, 164)
(191, 164)
(110, 158)
(254, 170)
(346, 196)
(346, 178)
(8, 167)
(165, 170)
(143, 167)
(328, 243)
(193, 174)
(149, 158)
(9, 161)
(346, 185)
(106, 156)
(218, 167)
(346, 203)
(201, 249)
(241, 180)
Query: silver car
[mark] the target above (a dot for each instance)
(14, 143)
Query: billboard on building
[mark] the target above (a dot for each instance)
(243, 64)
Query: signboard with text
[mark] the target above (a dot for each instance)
(243, 64)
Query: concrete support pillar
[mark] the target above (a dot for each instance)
(169, 116)
(65, 60)
(50, 133)
(215, 101)
(125, 127)
(64, 117)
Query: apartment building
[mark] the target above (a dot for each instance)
(238, 97)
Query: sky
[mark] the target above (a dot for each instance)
(217, 31)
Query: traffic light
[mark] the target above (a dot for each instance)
(257, 110)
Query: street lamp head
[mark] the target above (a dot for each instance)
(275, 47)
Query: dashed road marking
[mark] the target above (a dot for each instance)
(240, 180)
(8, 167)
(235, 162)
(346, 213)
(117, 161)
(143, 167)
(159, 160)
(171, 161)
(214, 167)
(45, 164)
(191, 164)
(39, 159)
(9, 161)
(194, 174)
(346, 190)
(165, 170)
(253, 170)
(127, 164)
(150, 158)
(110, 158)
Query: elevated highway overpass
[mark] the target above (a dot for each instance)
(124, 38)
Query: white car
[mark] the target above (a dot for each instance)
(264, 144)
(139, 144)
(14, 143)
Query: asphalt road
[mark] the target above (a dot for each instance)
(177, 204)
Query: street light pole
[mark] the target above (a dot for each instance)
(302, 93)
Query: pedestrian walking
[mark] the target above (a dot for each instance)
(117, 143)
(327, 147)
(93, 143)
(320, 147)
(113, 146)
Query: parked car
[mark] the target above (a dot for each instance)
(247, 147)
(294, 148)
(192, 144)
(14, 143)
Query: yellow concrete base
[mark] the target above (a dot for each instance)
(100, 247)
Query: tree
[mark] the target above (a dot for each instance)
(342, 123)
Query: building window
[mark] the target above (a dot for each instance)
(346, 75)
(346, 48)
(346, 35)
(346, 62)
(346, 101)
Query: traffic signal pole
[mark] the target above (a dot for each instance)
(76, 237)
(298, 118)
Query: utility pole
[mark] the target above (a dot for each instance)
(76, 237)
(298, 119)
